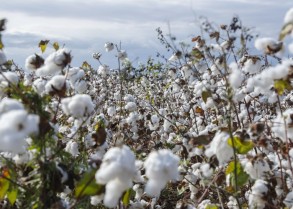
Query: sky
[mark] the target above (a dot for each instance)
(84, 26)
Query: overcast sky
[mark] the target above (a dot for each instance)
(85, 25)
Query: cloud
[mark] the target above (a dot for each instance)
(84, 26)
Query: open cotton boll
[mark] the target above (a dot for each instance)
(72, 148)
(111, 111)
(78, 106)
(8, 104)
(57, 83)
(252, 66)
(49, 70)
(16, 125)
(109, 46)
(130, 106)
(103, 70)
(220, 147)
(74, 74)
(116, 171)
(9, 77)
(289, 16)
(267, 45)
(39, 86)
(34, 62)
(236, 77)
(258, 193)
(288, 201)
(282, 125)
(161, 166)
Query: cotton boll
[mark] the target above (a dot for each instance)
(80, 86)
(252, 66)
(48, 70)
(256, 169)
(267, 45)
(289, 16)
(78, 106)
(154, 187)
(34, 62)
(95, 200)
(39, 86)
(10, 77)
(236, 77)
(258, 193)
(75, 74)
(111, 111)
(72, 148)
(103, 70)
(279, 128)
(161, 166)
(220, 147)
(56, 84)
(109, 46)
(116, 171)
(130, 106)
(8, 104)
(206, 170)
(16, 125)
(3, 59)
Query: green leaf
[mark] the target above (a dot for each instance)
(211, 206)
(126, 197)
(241, 146)
(43, 45)
(242, 177)
(87, 186)
(56, 46)
(4, 183)
(12, 195)
(205, 95)
(282, 85)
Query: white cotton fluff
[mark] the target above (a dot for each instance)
(78, 106)
(74, 74)
(235, 77)
(95, 200)
(57, 83)
(252, 66)
(111, 111)
(109, 46)
(206, 170)
(262, 82)
(39, 86)
(33, 62)
(263, 44)
(282, 124)
(220, 147)
(80, 86)
(9, 77)
(72, 148)
(8, 104)
(2, 58)
(130, 106)
(161, 166)
(16, 125)
(256, 169)
(289, 16)
(116, 171)
(54, 63)
(103, 70)
(257, 196)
